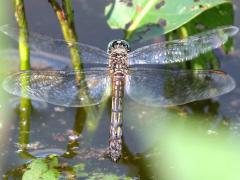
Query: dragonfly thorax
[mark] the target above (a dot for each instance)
(118, 61)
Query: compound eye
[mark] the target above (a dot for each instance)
(127, 46)
(111, 45)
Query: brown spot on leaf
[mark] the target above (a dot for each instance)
(139, 9)
(162, 22)
(129, 3)
(160, 4)
(128, 25)
(202, 7)
(143, 33)
(196, 0)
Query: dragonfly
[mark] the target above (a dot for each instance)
(120, 71)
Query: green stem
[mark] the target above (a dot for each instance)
(68, 9)
(24, 54)
(23, 34)
(66, 20)
(183, 33)
(68, 33)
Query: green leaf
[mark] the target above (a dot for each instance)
(43, 168)
(157, 16)
(206, 21)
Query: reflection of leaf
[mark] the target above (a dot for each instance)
(166, 15)
(42, 169)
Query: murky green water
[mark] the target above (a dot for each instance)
(181, 143)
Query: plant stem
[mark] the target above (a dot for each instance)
(65, 16)
(23, 34)
(68, 9)
(68, 33)
(183, 34)
(24, 54)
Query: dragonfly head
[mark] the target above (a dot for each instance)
(118, 44)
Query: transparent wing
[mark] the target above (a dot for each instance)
(37, 42)
(182, 50)
(71, 89)
(159, 87)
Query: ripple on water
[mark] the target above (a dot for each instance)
(41, 153)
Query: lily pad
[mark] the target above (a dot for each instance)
(42, 168)
(157, 16)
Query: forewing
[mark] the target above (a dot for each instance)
(38, 42)
(71, 89)
(159, 87)
(182, 50)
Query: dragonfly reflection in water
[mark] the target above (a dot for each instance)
(128, 72)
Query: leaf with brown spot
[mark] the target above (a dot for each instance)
(167, 15)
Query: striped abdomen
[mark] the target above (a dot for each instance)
(115, 137)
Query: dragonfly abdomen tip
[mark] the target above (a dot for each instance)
(115, 149)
